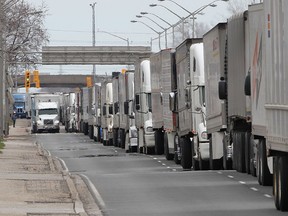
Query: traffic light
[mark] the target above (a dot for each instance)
(36, 79)
(89, 81)
(27, 80)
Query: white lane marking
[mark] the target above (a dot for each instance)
(159, 161)
(267, 195)
(220, 172)
(168, 167)
(242, 182)
(155, 158)
(174, 170)
(229, 176)
(254, 189)
(163, 164)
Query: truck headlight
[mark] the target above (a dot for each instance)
(56, 122)
(204, 135)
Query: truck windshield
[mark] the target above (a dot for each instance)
(47, 112)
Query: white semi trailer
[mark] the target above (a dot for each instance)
(116, 114)
(276, 88)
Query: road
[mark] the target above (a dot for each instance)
(136, 184)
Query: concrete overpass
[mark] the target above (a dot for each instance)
(64, 81)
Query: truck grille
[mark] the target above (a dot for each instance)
(48, 122)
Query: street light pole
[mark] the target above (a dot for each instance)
(159, 33)
(93, 38)
(172, 26)
(181, 18)
(164, 29)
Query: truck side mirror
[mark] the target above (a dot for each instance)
(126, 107)
(247, 85)
(111, 109)
(104, 110)
(222, 86)
(116, 107)
(137, 102)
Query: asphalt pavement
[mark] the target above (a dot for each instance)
(32, 182)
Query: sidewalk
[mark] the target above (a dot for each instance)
(32, 183)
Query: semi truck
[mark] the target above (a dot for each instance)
(45, 113)
(71, 111)
(127, 123)
(96, 106)
(107, 112)
(116, 114)
(143, 113)
(191, 144)
(19, 105)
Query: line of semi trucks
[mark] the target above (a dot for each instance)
(217, 102)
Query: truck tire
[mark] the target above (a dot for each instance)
(186, 159)
(276, 182)
(159, 142)
(195, 162)
(239, 151)
(252, 157)
(263, 173)
(115, 137)
(281, 184)
(176, 149)
(122, 138)
(90, 131)
(247, 152)
(166, 148)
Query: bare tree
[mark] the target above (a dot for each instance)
(200, 29)
(236, 6)
(24, 34)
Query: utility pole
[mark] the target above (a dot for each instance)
(2, 71)
(93, 38)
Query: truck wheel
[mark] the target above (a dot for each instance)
(282, 183)
(122, 138)
(186, 159)
(263, 173)
(239, 151)
(176, 150)
(276, 182)
(247, 151)
(159, 142)
(90, 131)
(115, 137)
(166, 148)
(195, 162)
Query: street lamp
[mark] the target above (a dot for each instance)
(159, 33)
(127, 40)
(93, 38)
(181, 18)
(198, 11)
(164, 29)
(172, 26)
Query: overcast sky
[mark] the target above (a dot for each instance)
(69, 23)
